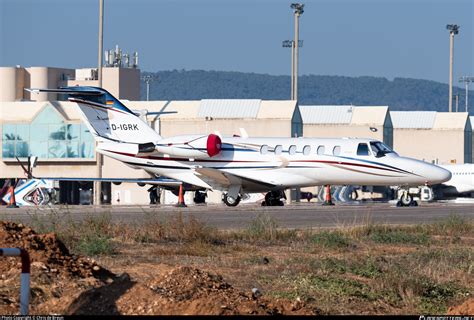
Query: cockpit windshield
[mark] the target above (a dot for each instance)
(380, 149)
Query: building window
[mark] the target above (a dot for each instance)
(336, 150)
(363, 149)
(47, 137)
(292, 150)
(264, 149)
(306, 150)
(278, 149)
(320, 150)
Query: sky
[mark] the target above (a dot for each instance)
(384, 38)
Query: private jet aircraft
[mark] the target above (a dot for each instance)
(239, 165)
(461, 182)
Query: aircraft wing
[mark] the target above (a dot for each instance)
(157, 181)
(225, 179)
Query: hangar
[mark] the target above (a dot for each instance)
(436, 137)
(348, 121)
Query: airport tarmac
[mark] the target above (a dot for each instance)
(298, 215)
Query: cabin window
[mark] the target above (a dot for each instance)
(306, 150)
(278, 149)
(363, 149)
(336, 151)
(264, 149)
(320, 150)
(379, 149)
(292, 150)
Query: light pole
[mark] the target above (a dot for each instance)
(97, 184)
(467, 81)
(453, 30)
(298, 11)
(147, 80)
(291, 44)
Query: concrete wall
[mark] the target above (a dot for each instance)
(12, 83)
(343, 130)
(254, 128)
(437, 146)
(124, 83)
(46, 77)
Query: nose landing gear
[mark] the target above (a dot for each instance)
(406, 200)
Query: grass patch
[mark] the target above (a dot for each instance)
(90, 236)
(338, 287)
(453, 226)
(176, 228)
(264, 228)
(393, 235)
(331, 239)
(365, 266)
(94, 244)
(368, 267)
(312, 286)
(399, 236)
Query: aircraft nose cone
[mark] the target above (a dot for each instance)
(438, 175)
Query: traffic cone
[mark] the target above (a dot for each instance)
(12, 197)
(328, 201)
(181, 197)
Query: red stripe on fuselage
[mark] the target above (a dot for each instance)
(250, 161)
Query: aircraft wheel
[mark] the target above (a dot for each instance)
(406, 200)
(353, 195)
(272, 198)
(231, 201)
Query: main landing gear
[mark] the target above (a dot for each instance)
(231, 201)
(273, 198)
(406, 200)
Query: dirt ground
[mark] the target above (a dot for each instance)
(467, 308)
(63, 283)
(393, 272)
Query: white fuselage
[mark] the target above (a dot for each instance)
(462, 179)
(264, 164)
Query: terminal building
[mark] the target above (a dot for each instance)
(45, 126)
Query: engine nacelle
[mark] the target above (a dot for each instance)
(195, 146)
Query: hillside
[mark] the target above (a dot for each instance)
(399, 94)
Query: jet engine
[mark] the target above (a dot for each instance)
(196, 146)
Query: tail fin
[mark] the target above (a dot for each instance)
(106, 117)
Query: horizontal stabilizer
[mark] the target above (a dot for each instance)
(90, 92)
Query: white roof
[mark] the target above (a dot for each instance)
(413, 119)
(428, 120)
(355, 115)
(326, 114)
(229, 108)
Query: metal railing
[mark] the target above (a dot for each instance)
(25, 275)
